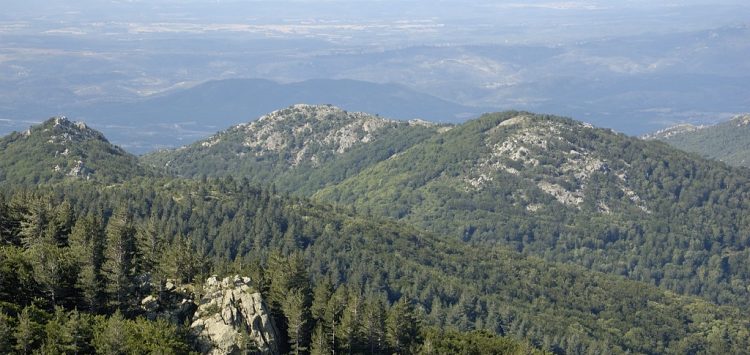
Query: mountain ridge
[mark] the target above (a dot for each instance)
(545, 185)
(557, 188)
(171, 119)
(500, 219)
(287, 145)
(727, 141)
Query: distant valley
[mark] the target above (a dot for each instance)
(183, 116)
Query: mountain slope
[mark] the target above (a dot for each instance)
(727, 141)
(561, 307)
(184, 116)
(300, 148)
(569, 192)
(60, 149)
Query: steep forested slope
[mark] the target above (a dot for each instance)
(569, 192)
(229, 225)
(59, 149)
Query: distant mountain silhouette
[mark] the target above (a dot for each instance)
(184, 116)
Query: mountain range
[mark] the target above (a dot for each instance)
(533, 226)
(182, 116)
(544, 185)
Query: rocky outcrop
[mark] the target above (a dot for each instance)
(229, 317)
(232, 318)
(174, 304)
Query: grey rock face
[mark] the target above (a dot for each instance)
(232, 319)
(174, 305)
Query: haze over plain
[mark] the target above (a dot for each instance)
(634, 66)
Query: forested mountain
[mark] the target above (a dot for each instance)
(509, 233)
(543, 185)
(301, 148)
(345, 268)
(727, 141)
(569, 192)
(60, 149)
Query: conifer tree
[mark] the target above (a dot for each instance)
(297, 313)
(9, 224)
(402, 328)
(120, 260)
(320, 343)
(6, 334)
(334, 312)
(60, 224)
(150, 243)
(321, 295)
(87, 242)
(181, 261)
(111, 334)
(59, 338)
(28, 332)
(56, 271)
(373, 325)
(350, 327)
(288, 275)
(34, 222)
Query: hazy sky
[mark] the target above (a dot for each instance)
(449, 20)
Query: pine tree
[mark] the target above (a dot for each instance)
(373, 325)
(6, 334)
(297, 312)
(181, 261)
(350, 327)
(9, 224)
(56, 271)
(150, 244)
(120, 260)
(87, 243)
(28, 332)
(34, 221)
(402, 328)
(79, 326)
(334, 312)
(321, 295)
(59, 338)
(111, 334)
(320, 343)
(60, 224)
(288, 275)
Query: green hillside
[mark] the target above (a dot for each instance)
(727, 141)
(514, 231)
(59, 149)
(565, 191)
(301, 148)
(563, 308)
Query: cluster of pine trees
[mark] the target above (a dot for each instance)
(69, 284)
(71, 281)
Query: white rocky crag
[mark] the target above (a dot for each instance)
(307, 133)
(673, 131)
(527, 142)
(270, 133)
(232, 318)
(741, 120)
(64, 131)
